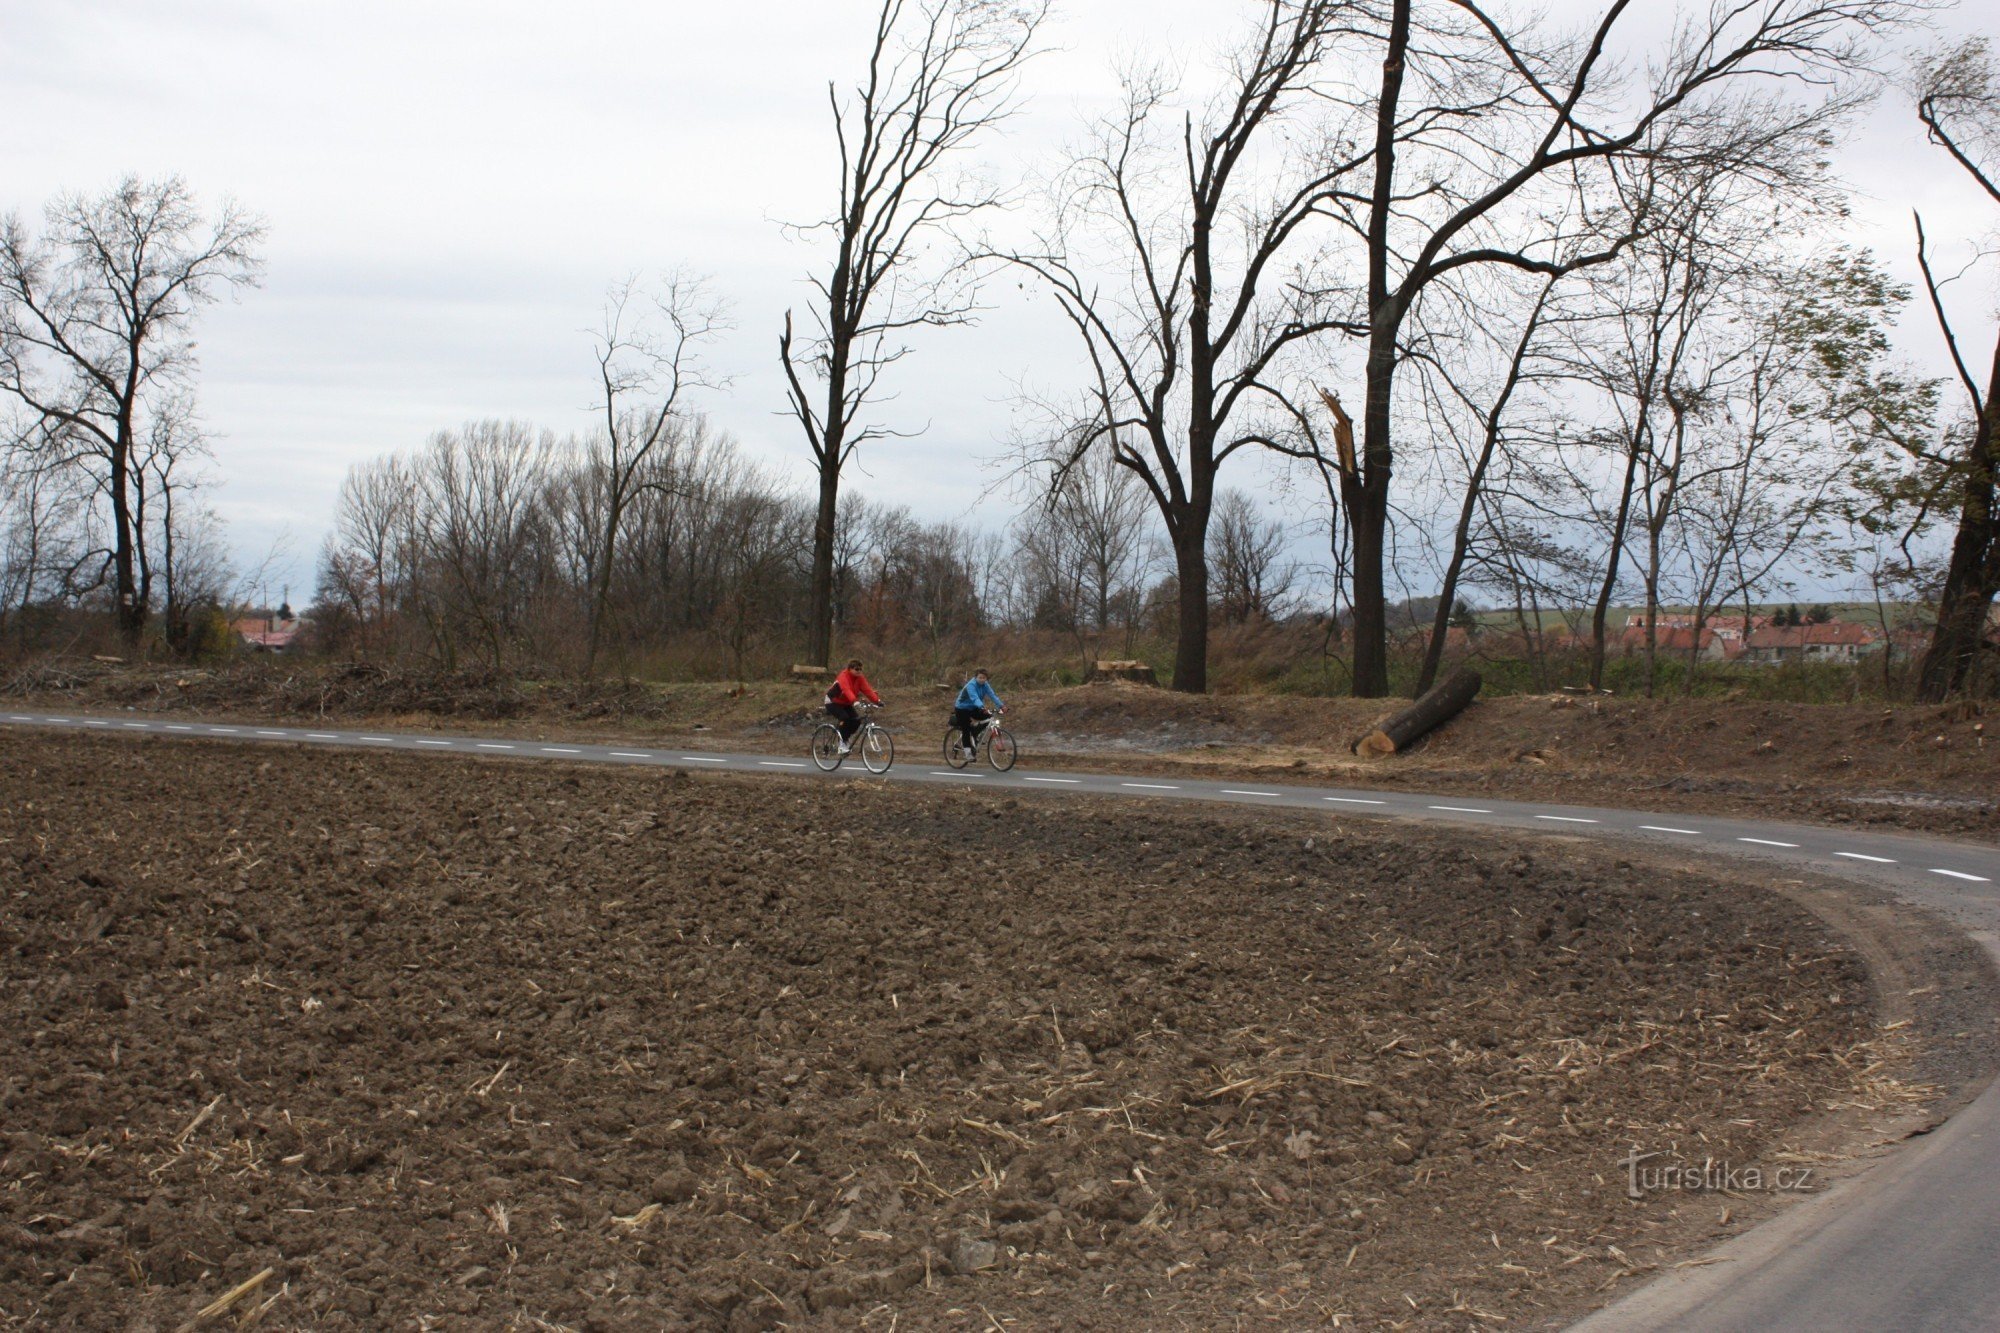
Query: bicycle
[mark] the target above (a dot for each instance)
(990, 736)
(872, 742)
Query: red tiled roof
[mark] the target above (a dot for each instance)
(1834, 633)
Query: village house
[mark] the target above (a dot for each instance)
(1835, 641)
(1725, 628)
(1713, 644)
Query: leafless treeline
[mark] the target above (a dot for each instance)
(485, 548)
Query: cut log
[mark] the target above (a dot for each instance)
(808, 672)
(1136, 672)
(1441, 703)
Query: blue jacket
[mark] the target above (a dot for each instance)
(977, 694)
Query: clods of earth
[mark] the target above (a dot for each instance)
(367, 1041)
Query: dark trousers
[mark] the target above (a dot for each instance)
(849, 717)
(965, 719)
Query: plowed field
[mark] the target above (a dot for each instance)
(458, 1044)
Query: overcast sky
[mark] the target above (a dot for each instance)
(450, 188)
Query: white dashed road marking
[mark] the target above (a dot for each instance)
(1052, 781)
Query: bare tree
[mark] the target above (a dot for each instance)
(1958, 100)
(96, 327)
(1198, 218)
(1253, 579)
(1082, 551)
(480, 516)
(45, 543)
(940, 74)
(1482, 126)
(1491, 431)
(655, 362)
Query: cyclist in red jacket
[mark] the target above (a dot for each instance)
(849, 688)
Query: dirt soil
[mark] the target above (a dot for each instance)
(1925, 768)
(475, 1044)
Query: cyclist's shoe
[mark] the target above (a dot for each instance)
(844, 747)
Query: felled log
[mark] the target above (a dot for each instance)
(1136, 672)
(808, 672)
(1441, 703)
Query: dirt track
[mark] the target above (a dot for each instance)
(498, 1044)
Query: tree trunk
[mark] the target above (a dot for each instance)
(1396, 732)
(600, 605)
(1973, 576)
(129, 615)
(1597, 613)
(1368, 502)
(819, 612)
(1367, 498)
(1191, 640)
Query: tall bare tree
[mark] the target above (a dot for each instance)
(1491, 428)
(1193, 336)
(940, 74)
(1958, 100)
(96, 328)
(646, 363)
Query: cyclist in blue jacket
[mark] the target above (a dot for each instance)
(971, 706)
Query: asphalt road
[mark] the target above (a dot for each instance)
(1911, 1244)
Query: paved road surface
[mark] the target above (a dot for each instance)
(1912, 1244)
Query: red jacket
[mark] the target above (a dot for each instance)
(850, 685)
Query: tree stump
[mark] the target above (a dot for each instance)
(1442, 702)
(1136, 672)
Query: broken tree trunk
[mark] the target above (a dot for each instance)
(1441, 703)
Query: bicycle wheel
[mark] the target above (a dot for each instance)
(878, 751)
(955, 753)
(826, 747)
(1000, 750)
